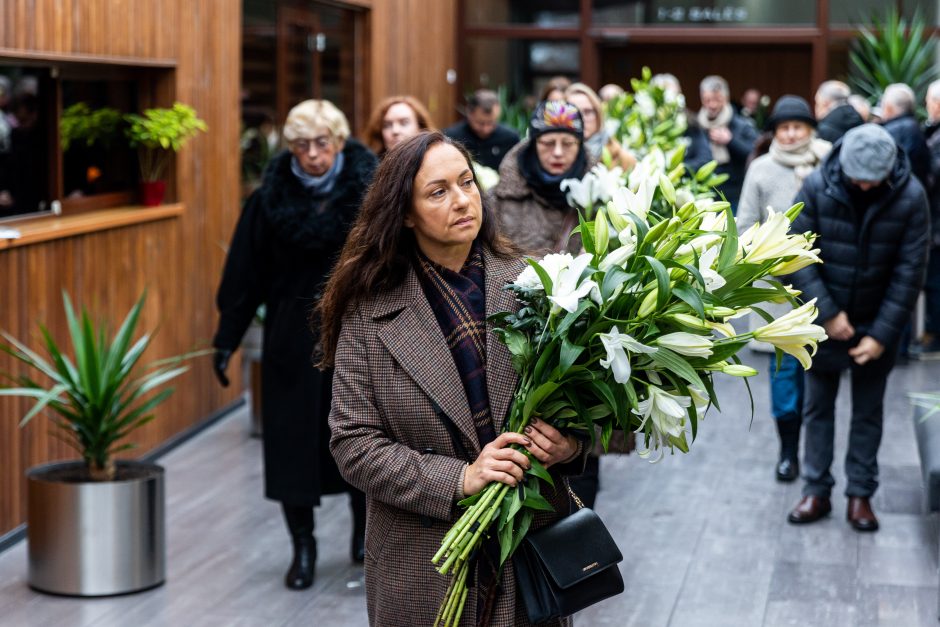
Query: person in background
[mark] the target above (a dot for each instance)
(286, 240)
(928, 346)
(898, 105)
(753, 105)
(395, 119)
(481, 134)
(596, 136)
(555, 88)
(610, 91)
(528, 201)
(870, 214)
(697, 150)
(861, 106)
(731, 136)
(833, 111)
(771, 182)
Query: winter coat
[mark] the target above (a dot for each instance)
(697, 152)
(284, 247)
(873, 265)
(933, 185)
(403, 434)
(907, 134)
(526, 218)
(837, 122)
(489, 151)
(743, 136)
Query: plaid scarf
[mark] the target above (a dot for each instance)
(458, 301)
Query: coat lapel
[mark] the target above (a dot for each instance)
(415, 341)
(501, 377)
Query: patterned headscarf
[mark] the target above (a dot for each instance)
(556, 116)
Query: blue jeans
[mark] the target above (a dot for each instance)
(786, 388)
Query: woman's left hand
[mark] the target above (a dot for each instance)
(549, 445)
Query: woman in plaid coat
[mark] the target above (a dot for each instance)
(421, 386)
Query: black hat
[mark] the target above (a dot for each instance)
(556, 116)
(790, 108)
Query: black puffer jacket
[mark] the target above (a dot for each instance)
(907, 134)
(837, 122)
(873, 265)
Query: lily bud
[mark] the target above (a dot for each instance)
(739, 370)
(648, 305)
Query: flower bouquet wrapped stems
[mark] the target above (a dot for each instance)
(629, 335)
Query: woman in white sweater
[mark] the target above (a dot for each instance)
(771, 182)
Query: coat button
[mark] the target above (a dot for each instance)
(429, 451)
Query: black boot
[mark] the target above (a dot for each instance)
(357, 503)
(300, 523)
(788, 468)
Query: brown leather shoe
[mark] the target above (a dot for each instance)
(860, 515)
(810, 509)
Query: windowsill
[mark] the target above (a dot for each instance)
(46, 228)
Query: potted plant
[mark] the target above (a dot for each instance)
(95, 527)
(86, 135)
(155, 134)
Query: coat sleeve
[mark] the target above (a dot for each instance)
(743, 137)
(908, 276)
(809, 279)
(698, 152)
(750, 210)
(367, 456)
(242, 288)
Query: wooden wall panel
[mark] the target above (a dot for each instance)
(178, 260)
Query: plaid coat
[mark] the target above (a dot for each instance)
(402, 433)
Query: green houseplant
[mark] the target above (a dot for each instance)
(79, 511)
(155, 134)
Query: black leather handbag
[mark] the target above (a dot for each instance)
(567, 566)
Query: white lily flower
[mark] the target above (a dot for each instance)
(569, 289)
(770, 240)
(699, 399)
(645, 104)
(626, 201)
(684, 197)
(793, 332)
(607, 182)
(486, 178)
(619, 256)
(803, 259)
(706, 262)
(617, 344)
(687, 344)
(665, 413)
(579, 192)
(552, 264)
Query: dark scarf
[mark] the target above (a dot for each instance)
(544, 185)
(458, 301)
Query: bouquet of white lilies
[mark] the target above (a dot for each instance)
(629, 334)
(649, 117)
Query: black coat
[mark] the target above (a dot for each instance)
(907, 134)
(284, 247)
(698, 152)
(489, 151)
(873, 263)
(933, 183)
(837, 122)
(743, 137)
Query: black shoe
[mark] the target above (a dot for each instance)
(357, 503)
(301, 573)
(788, 470)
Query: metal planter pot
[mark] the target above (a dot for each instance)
(96, 538)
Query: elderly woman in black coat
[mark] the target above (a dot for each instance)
(289, 234)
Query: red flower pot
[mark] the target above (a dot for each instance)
(152, 192)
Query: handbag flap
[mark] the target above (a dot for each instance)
(575, 547)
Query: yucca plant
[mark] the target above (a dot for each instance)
(892, 50)
(98, 396)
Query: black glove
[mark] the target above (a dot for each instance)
(220, 364)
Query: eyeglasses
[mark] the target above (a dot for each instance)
(303, 145)
(551, 144)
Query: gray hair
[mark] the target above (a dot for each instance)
(714, 83)
(834, 91)
(900, 96)
(933, 91)
(305, 118)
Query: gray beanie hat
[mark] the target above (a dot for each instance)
(868, 153)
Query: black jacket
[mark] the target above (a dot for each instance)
(907, 134)
(873, 264)
(698, 152)
(743, 136)
(489, 151)
(837, 122)
(933, 183)
(283, 249)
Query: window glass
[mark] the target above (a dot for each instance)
(703, 12)
(544, 13)
(522, 66)
(24, 140)
(849, 12)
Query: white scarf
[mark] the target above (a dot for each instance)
(723, 119)
(802, 156)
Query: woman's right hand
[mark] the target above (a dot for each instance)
(497, 462)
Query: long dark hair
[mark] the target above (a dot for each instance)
(380, 249)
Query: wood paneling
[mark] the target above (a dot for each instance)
(177, 259)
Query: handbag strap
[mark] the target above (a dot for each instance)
(574, 497)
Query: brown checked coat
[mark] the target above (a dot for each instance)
(402, 433)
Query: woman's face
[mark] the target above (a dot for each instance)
(557, 152)
(399, 123)
(588, 113)
(792, 131)
(316, 153)
(446, 211)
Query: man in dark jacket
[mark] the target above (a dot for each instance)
(834, 112)
(897, 111)
(929, 346)
(485, 138)
(730, 135)
(871, 217)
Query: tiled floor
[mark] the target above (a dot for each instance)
(704, 538)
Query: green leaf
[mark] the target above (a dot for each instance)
(536, 397)
(538, 470)
(691, 296)
(543, 276)
(662, 281)
(569, 354)
(675, 363)
(729, 248)
(536, 501)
